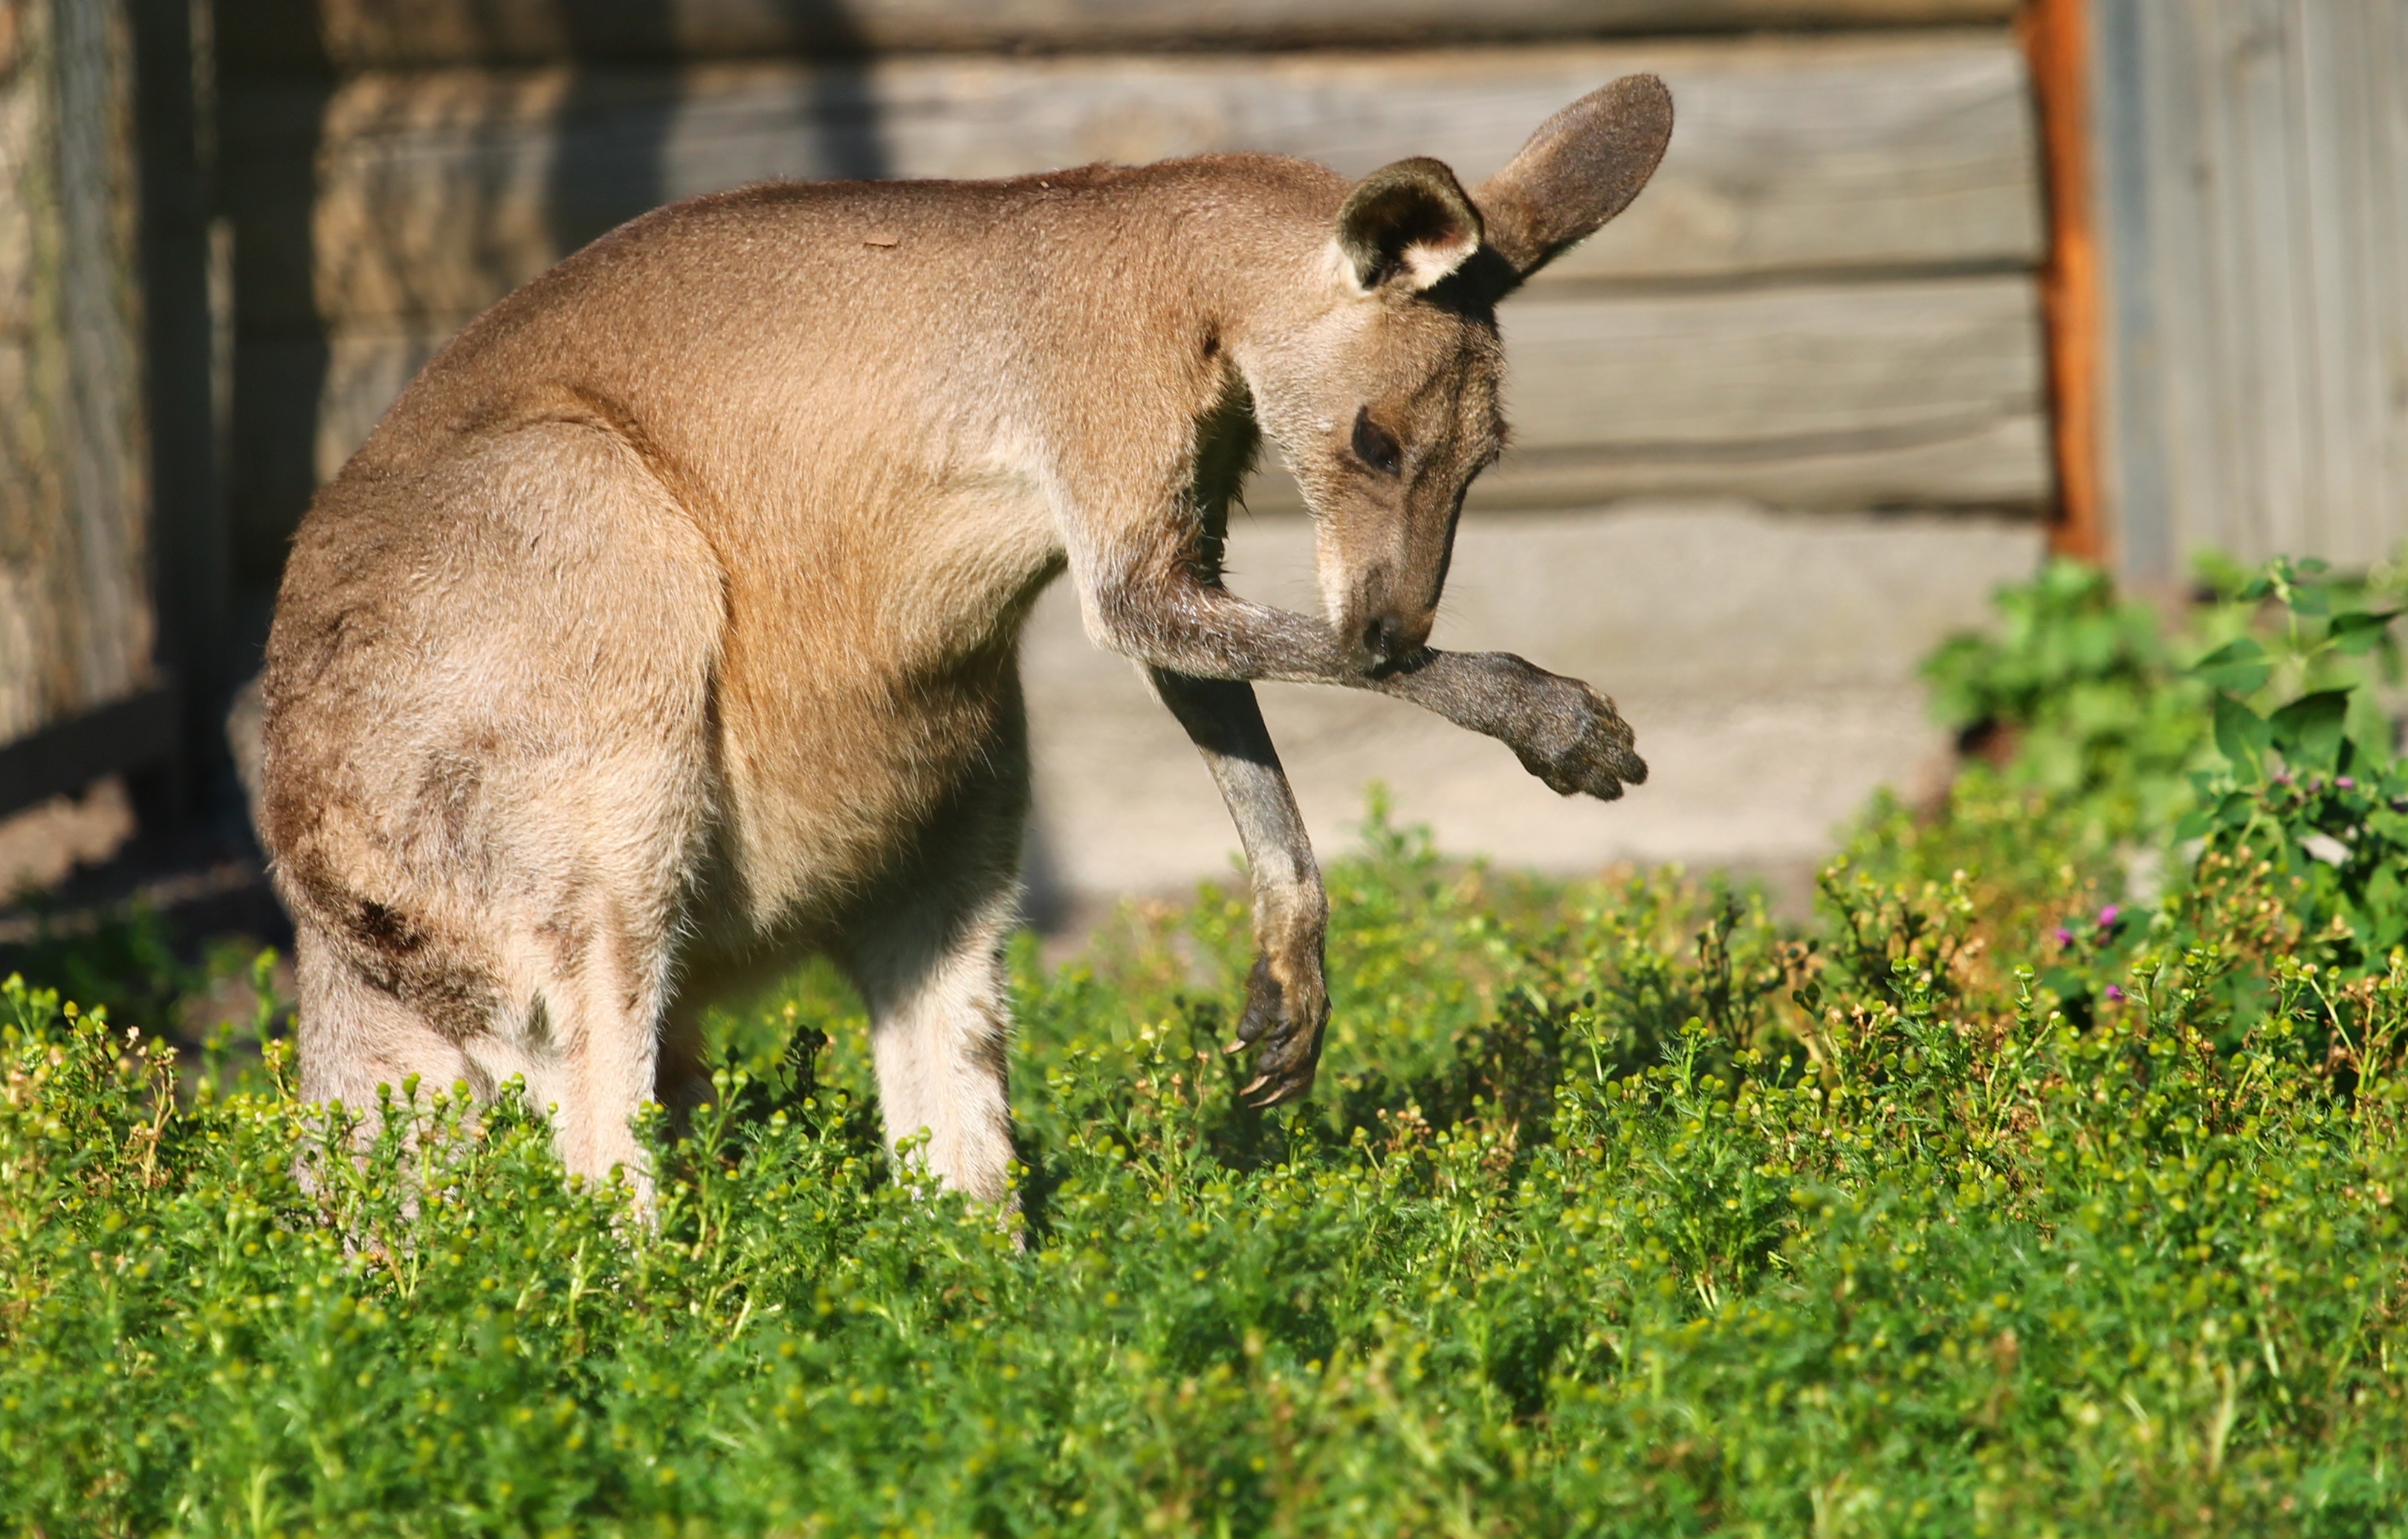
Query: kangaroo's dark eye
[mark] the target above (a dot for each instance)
(1375, 446)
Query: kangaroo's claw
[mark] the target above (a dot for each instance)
(1285, 1027)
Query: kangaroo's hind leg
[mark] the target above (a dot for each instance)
(489, 770)
(928, 959)
(356, 1036)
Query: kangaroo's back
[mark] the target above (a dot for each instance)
(782, 327)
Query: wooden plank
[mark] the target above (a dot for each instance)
(2253, 141)
(2133, 457)
(2353, 170)
(1999, 464)
(2387, 131)
(2320, 126)
(22, 150)
(439, 193)
(99, 310)
(359, 35)
(2259, 159)
(1994, 466)
(1913, 358)
(1921, 394)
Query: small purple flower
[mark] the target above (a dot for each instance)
(2114, 992)
(2107, 915)
(2282, 778)
(2064, 937)
(2346, 783)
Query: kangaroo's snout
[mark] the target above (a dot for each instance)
(1381, 635)
(1380, 644)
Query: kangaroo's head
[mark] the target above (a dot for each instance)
(1383, 395)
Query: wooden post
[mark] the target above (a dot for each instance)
(173, 81)
(76, 628)
(2057, 40)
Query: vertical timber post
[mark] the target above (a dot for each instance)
(173, 81)
(2055, 35)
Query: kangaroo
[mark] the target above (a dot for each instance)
(665, 627)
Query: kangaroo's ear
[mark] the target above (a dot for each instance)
(1410, 221)
(1581, 168)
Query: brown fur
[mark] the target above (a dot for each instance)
(669, 617)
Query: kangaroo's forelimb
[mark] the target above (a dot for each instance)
(1287, 1001)
(1563, 731)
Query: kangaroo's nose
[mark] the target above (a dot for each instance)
(1382, 642)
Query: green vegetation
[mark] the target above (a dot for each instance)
(2004, 1199)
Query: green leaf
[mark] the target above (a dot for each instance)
(2382, 889)
(2308, 730)
(2383, 930)
(2070, 988)
(2241, 734)
(2360, 629)
(2240, 666)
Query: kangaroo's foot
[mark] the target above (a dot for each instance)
(1564, 732)
(1288, 1009)
(1577, 742)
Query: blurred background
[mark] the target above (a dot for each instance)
(1924, 290)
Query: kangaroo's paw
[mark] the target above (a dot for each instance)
(1283, 1024)
(1581, 743)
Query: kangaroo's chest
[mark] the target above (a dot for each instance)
(869, 691)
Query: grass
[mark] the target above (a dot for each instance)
(1993, 1201)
